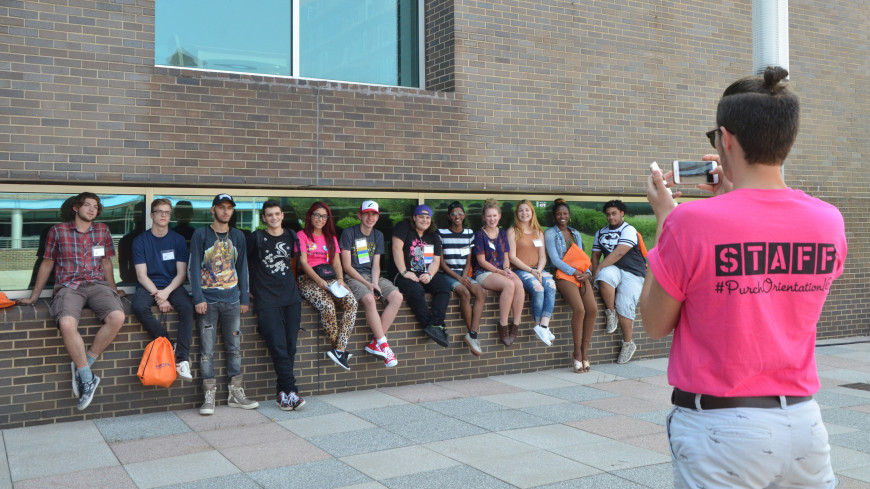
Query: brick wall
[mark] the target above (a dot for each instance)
(35, 371)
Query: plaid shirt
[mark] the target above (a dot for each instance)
(73, 253)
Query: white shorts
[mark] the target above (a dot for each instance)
(750, 448)
(627, 285)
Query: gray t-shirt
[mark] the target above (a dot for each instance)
(351, 237)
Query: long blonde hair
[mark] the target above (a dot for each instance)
(534, 224)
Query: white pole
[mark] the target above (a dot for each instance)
(769, 34)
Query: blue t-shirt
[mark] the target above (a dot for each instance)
(160, 255)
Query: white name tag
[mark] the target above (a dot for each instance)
(538, 243)
(362, 251)
(491, 245)
(428, 253)
(99, 251)
(168, 255)
(464, 251)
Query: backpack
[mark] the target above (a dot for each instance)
(640, 245)
(292, 241)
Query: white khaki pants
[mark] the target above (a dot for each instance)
(750, 448)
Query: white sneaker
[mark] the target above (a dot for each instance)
(552, 336)
(183, 370)
(543, 334)
(626, 352)
(612, 320)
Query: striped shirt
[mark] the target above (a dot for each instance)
(456, 247)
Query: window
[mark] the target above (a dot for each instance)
(365, 41)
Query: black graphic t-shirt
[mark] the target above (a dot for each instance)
(419, 251)
(272, 281)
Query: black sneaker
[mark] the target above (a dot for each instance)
(87, 390)
(339, 357)
(75, 379)
(438, 334)
(290, 402)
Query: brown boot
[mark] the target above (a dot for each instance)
(513, 330)
(503, 334)
(237, 397)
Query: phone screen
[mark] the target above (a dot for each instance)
(692, 172)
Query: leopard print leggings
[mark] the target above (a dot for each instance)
(323, 301)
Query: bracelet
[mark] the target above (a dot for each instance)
(404, 272)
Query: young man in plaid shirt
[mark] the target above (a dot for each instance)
(81, 250)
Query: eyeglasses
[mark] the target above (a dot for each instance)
(162, 213)
(319, 217)
(711, 135)
(457, 214)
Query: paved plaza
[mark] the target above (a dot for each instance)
(552, 429)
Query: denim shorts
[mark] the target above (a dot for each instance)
(452, 282)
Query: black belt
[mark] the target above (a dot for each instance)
(687, 400)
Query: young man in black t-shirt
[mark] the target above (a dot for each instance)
(276, 298)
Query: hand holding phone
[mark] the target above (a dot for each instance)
(654, 167)
(695, 172)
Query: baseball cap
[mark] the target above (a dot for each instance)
(369, 206)
(222, 198)
(423, 210)
(455, 205)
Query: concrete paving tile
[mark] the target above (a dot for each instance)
(532, 381)
(845, 458)
(850, 483)
(861, 474)
(479, 447)
(523, 399)
(569, 375)
(847, 417)
(5, 476)
(467, 405)
(177, 470)
(224, 417)
(398, 462)
(327, 424)
(838, 399)
(636, 388)
(829, 383)
(613, 455)
(478, 387)
(553, 437)
(421, 392)
(628, 405)
(139, 426)
(577, 393)
(618, 427)
(832, 350)
(659, 380)
(657, 442)
(856, 440)
(323, 474)
(268, 455)
(865, 408)
(849, 392)
(366, 485)
(627, 371)
(359, 400)
(842, 371)
(563, 413)
(859, 358)
(71, 447)
(456, 476)
(534, 468)
(235, 481)
(405, 413)
(435, 430)
(598, 481)
(107, 477)
(133, 451)
(660, 364)
(657, 417)
(313, 407)
(835, 429)
(507, 419)
(247, 435)
(360, 441)
(660, 476)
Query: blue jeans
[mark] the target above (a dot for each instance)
(542, 296)
(183, 305)
(229, 316)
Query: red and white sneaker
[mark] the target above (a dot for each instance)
(390, 357)
(375, 349)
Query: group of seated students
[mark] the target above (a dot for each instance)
(467, 263)
(273, 269)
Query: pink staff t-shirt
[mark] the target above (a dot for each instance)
(752, 268)
(316, 249)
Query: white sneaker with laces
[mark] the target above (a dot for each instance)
(543, 334)
(183, 370)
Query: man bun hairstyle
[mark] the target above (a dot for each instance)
(560, 202)
(763, 114)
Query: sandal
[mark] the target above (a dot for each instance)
(577, 366)
(586, 365)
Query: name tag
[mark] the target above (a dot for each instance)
(168, 255)
(362, 251)
(428, 254)
(491, 245)
(538, 243)
(464, 251)
(99, 251)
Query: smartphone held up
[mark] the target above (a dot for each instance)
(694, 172)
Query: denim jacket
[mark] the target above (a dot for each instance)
(556, 247)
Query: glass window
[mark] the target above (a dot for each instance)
(25, 219)
(365, 41)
